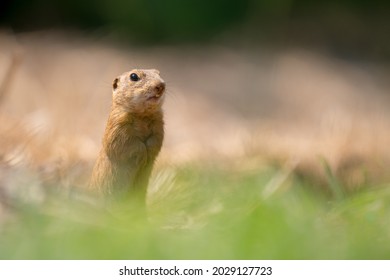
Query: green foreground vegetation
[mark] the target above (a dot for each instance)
(200, 213)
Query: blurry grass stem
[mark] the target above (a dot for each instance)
(13, 66)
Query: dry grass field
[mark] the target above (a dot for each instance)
(240, 107)
(300, 113)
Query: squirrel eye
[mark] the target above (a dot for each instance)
(134, 77)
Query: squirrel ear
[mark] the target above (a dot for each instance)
(115, 83)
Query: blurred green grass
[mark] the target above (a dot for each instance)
(208, 213)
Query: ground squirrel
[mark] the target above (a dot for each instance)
(133, 135)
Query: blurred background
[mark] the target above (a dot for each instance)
(349, 29)
(263, 97)
(276, 80)
(294, 85)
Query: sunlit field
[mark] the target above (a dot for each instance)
(268, 153)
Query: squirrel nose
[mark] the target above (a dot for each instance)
(160, 88)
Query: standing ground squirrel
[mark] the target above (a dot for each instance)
(133, 135)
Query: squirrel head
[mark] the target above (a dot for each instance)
(139, 91)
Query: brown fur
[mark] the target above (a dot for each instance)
(133, 135)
